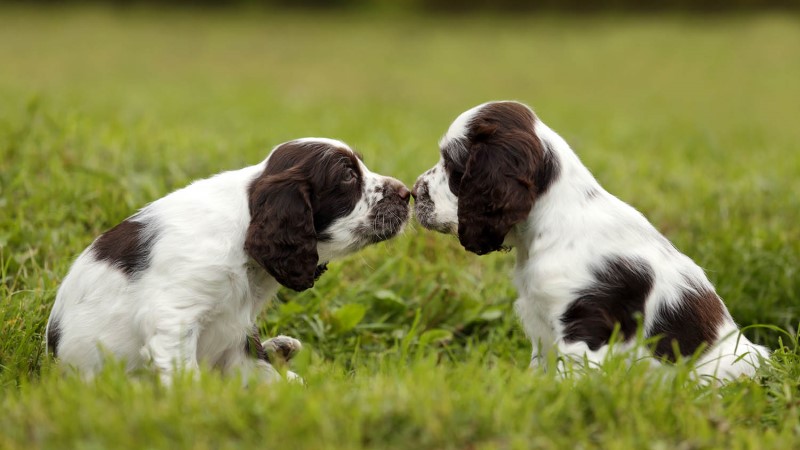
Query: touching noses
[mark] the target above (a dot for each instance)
(401, 189)
(404, 193)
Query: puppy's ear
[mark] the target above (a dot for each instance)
(497, 189)
(281, 235)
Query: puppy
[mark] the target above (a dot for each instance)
(587, 263)
(180, 283)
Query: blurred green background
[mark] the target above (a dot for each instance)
(690, 117)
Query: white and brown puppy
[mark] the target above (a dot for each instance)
(586, 261)
(180, 283)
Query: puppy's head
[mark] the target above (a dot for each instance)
(491, 169)
(315, 201)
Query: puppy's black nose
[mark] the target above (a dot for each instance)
(404, 193)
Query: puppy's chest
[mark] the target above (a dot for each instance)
(544, 291)
(227, 326)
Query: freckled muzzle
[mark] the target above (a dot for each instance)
(425, 207)
(388, 216)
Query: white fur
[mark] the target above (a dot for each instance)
(564, 236)
(445, 215)
(187, 308)
(458, 129)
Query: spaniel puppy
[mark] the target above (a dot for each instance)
(180, 283)
(587, 263)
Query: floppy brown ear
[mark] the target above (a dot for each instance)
(281, 235)
(497, 189)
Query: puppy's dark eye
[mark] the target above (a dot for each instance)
(349, 176)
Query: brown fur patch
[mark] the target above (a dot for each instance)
(694, 322)
(126, 246)
(618, 293)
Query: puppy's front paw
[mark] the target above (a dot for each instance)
(281, 349)
(292, 377)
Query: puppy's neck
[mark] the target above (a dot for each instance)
(572, 174)
(573, 188)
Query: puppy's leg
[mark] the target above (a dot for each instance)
(579, 356)
(733, 356)
(537, 360)
(281, 349)
(262, 358)
(249, 361)
(260, 369)
(172, 331)
(169, 349)
(538, 355)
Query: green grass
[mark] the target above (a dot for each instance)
(412, 343)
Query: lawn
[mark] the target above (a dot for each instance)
(411, 343)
